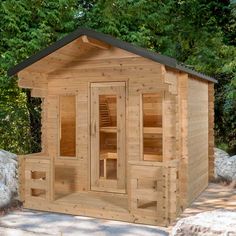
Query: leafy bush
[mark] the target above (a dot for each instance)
(26, 27)
(200, 33)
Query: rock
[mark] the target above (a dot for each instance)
(4, 153)
(220, 153)
(210, 223)
(5, 195)
(8, 176)
(225, 166)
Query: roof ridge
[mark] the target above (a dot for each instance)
(166, 60)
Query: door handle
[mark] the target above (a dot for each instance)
(93, 128)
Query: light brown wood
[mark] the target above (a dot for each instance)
(197, 142)
(35, 174)
(67, 121)
(152, 130)
(211, 142)
(94, 42)
(39, 93)
(141, 133)
(183, 138)
(116, 91)
(21, 177)
(109, 129)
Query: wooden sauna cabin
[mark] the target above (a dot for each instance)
(127, 134)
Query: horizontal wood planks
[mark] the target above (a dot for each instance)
(74, 53)
(153, 192)
(35, 178)
(197, 139)
(76, 82)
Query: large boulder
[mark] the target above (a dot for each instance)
(225, 166)
(5, 195)
(210, 223)
(8, 177)
(220, 153)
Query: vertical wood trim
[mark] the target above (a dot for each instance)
(44, 141)
(129, 186)
(126, 136)
(21, 176)
(166, 196)
(133, 138)
(77, 128)
(173, 194)
(162, 207)
(121, 175)
(163, 127)
(94, 137)
(49, 196)
(133, 199)
(141, 157)
(52, 132)
(183, 119)
(169, 126)
(89, 139)
(211, 140)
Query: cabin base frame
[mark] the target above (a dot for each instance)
(121, 121)
(157, 183)
(74, 209)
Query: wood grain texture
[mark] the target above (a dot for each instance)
(183, 138)
(156, 108)
(211, 141)
(197, 142)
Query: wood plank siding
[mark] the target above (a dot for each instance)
(159, 120)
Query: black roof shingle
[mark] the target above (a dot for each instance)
(168, 61)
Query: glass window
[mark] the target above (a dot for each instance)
(152, 127)
(67, 126)
(108, 136)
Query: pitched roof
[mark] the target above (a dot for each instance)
(168, 61)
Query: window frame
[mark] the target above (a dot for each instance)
(161, 93)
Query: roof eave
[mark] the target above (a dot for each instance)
(168, 61)
(195, 73)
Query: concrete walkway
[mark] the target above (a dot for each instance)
(216, 196)
(25, 223)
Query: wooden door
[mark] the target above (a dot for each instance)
(108, 137)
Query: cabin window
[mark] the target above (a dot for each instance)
(152, 126)
(67, 126)
(108, 136)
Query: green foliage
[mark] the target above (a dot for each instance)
(225, 107)
(14, 117)
(199, 33)
(25, 28)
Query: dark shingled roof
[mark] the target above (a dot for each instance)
(168, 61)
